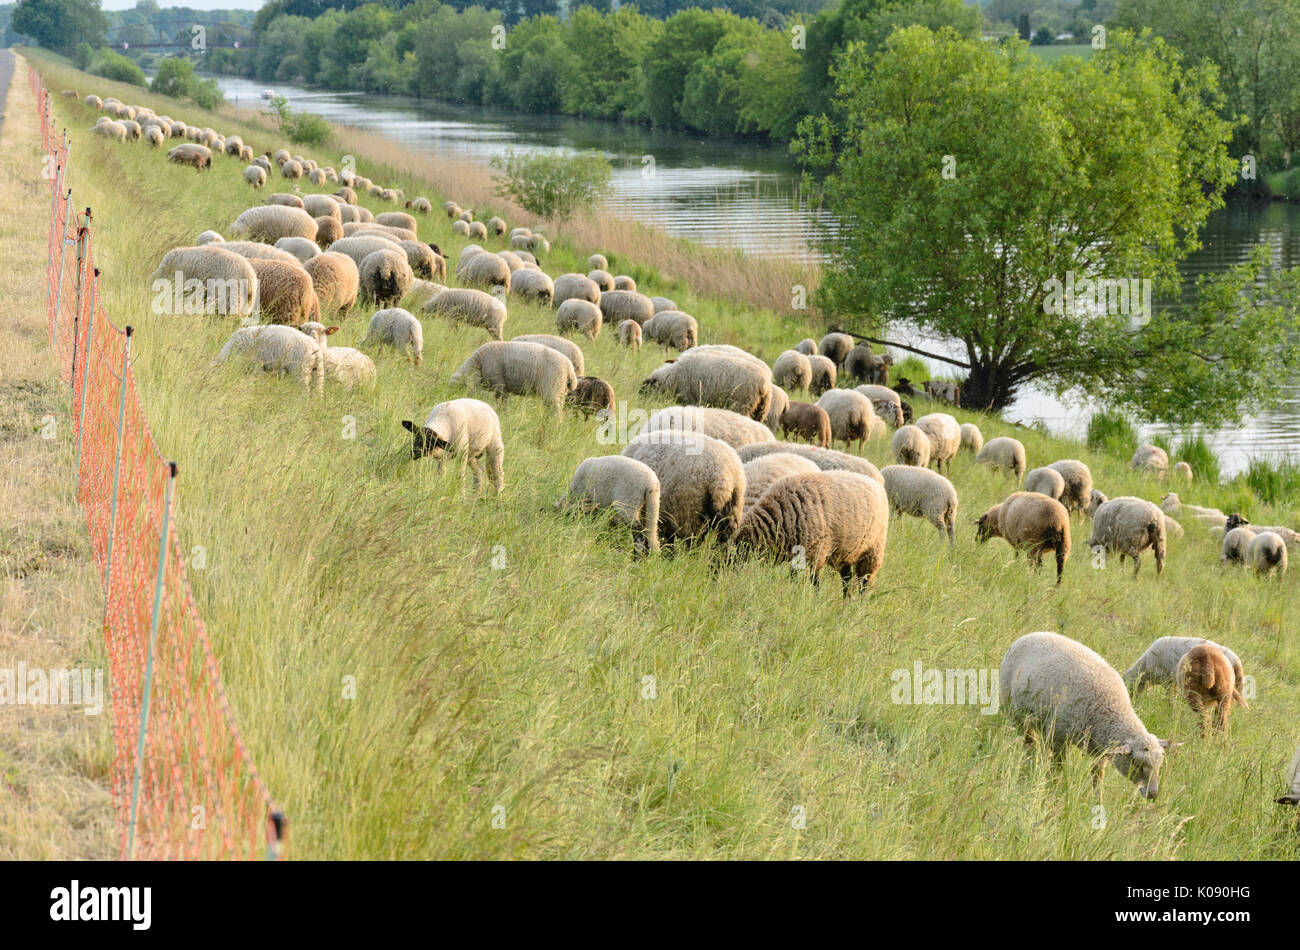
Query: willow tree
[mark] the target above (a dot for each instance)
(973, 183)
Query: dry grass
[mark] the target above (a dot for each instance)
(54, 800)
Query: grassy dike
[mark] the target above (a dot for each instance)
(501, 652)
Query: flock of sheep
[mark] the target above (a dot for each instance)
(710, 465)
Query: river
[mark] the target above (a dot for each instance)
(722, 191)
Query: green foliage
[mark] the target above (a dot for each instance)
(115, 66)
(175, 77)
(300, 128)
(1113, 434)
(552, 186)
(83, 54)
(912, 368)
(60, 24)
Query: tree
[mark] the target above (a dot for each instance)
(175, 78)
(687, 37)
(553, 187)
(60, 24)
(974, 180)
(605, 79)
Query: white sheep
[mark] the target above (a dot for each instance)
(301, 248)
(715, 376)
(467, 428)
(574, 287)
(269, 223)
(924, 494)
(727, 426)
(521, 368)
(1159, 662)
(629, 334)
(255, 175)
(945, 439)
(1182, 471)
(567, 348)
(1129, 526)
(275, 348)
(1171, 504)
(472, 307)
(807, 346)
(776, 408)
(701, 484)
(348, 367)
(888, 404)
(1151, 459)
(1078, 483)
(971, 437)
(792, 370)
(852, 415)
(911, 446)
(835, 347)
(823, 374)
(663, 303)
(1267, 554)
(397, 328)
(1004, 454)
(672, 328)
(627, 488)
(581, 315)
(763, 472)
(1046, 481)
(828, 460)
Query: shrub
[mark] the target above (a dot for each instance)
(1113, 434)
(117, 67)
(83, 54)
(553, 187)
(304, 129)
(911, 368)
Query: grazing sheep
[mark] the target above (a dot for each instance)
(1004, 454)
(924, 494)
(291, 170)
(908, 414)
(385, 276)
(888, 404)
(1293, 797)
(835, 347)
(467, 428)
(722, 424)
(422, 260)
(1159, 663)
(397, 328)
(776, 408)
(286, 199)
(1129, 526)
(269, 223)
(672, 328)
(336, 280)
(1171, 504)
(701, 484)
(477, 229)
(322, 206)
(1172, 528)
(254, 250)
(533, 286)
(328, 231)
(595, 262)
(806, 421)
(852, 416)
(347, 194)
(178, 156)
(629, 334)
(396, 235)
(1046, 481)
(1236, 542)
(484, 270)
(285, 293)
(763, 472)
(1072, 696)
(496, 226)
(212, 279)
(581, 315)
(209, 237)
(858, 363)
(559, 344)
(828, 460)
(539, 245)
(472, 307)
(274, 348)
(792, 370)
(603, 280)
(807, 346)
(623, 282)
(1151, 459)
(154, 136)
(619, 305)
(1182, 471)
(821, 519)
(397, 219)
(94, 102)
(1207, 678)
(1078, 483)
(627, 488)
(592, 394)
(576, 287)
(348, 367)
(972, 438)
(521, 368)
(512, 260)
(663, 303)
(945, 439)
(823, 374)
(943, 390)
(460, 227)
(1267, 554)
(911, 446)
(1289, 535)
(1095, 500)
(301, 248)
(255, 175)
(708, 376)
(1029, 521)
(360, 246)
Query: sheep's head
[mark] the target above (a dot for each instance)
(318, 331)
(1140, 762)
(424, 441)
(987, 526)
(1235, 521)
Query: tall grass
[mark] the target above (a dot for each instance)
(1196, 452)
(1275, 483)
(1113, 434)
(515, 664)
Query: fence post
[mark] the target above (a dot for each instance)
(85, 372)
(83, 231)
(117, 465)
(58, 289)
(153, 646)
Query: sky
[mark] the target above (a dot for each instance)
(193, 4)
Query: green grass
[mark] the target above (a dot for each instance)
(500, 651)
(1196, 452)
(1112, 434)
(1275, 483)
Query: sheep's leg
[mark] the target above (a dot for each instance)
(1198, 705)
(1060, 562)
(846, 577)
(1221, 714)
(1137, 564)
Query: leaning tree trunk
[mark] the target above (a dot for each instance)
(988, 386)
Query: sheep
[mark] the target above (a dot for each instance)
(133, 130)
(539, 245)
(213, 280)
(1095, 500)
(519, 367)
(477, 229)
(722, 424)
(285, 199)
(285, 293)
(291, 170)
(776, 407)
(672, 328)
(1236, 542)
(1004, 454)
(300, 248)
(468, 428)
(763, 472)
(823, 374)
(209, 237)
(821, 519)
(422, 260)
(255, 175)
(629, 334)
(807, 346)
(792, 370)
(496, 226)
(513, 261)
(254, 250)
(1029, 521)
(472, 307)
(945, 439)
(851, 415)
(888, 404)
(397, 219)
(835, 346)
(828, 460)
(576, 287)
(923, 493)
(1172, 528)
(269, 223)
(1129, 526)
(807, 421)
(322, 206)
(663, 303)
(1267, 554)
(1151, 459)
(581, 315)
(396, 235)
(336, 279)
(153, 136)
(592, 394)
(701, 484)
(943, 390)
(1293, 796)
(347, 194)
(596, 261)
(460, 227)
(484, 270)
(706, 377)
(275, 348)
(348, 367)
(1160, 661)
(328, 231)
(1171, 504)
(385, 276)
(532, 285)
(1066, 691)
(911, 446)
(567, 348)
(619, 305)
(94, 102)
(623, 282)
(603, 280)
(1207, 679)
(1045, 481)
(397, 328)
(1182, 471)
(1078, 483)
(971, 438)
(627, 488)
(1289, 535)
(360, 246)
(858, 362)
(181, 156)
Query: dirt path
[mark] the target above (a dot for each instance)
(54, 798)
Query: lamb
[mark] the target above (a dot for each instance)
(472, 307)
(581, 315)
(592, 394)
(1067, 692)
(335, 279)
(1289, 535)
(623, 282)
(1182, 471)
(275, 348)
(828, 460)
(663, 303)
(705, 376)
(348, 367)
(284, 198)
(301, 248)
(911, 446)
(945, 439)
(397, 328)
(1207, 679)
(619, 305)
(1029, 521)
(835, 347)
(835, 519)
(1045, 481)
(792, 370)
(629, 489)
(385, 276)
(923, 493)
(806, 421)
(1129, 526)
(1151, 459)
(519, 367)
(328, 231)
(1267, 554)
(532, 285)
(851, 414)
(225, 283)
(972, 438)
(1078, 483)
(1236, 543)
(269, 223)
(1159, 663)
(629, 334)
(726, 426)
(285, 293)
(701, 484)
(807, 346)
(1004, 454)
(763, 472)
(467, 428)
(255, 175)
(1171, 504)
(596, 261)
(776, 408)
(672, 328)
(576, 287)
(484, 270)
(823, 374)
(566, 348)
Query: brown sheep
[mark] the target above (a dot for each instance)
(285, 293)
(808, 422)
(1207, 679)
(336, 281)
(1031, 521)
(593, 394)
(328, 230)
(196, 160)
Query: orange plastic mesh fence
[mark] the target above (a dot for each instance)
(184, 784)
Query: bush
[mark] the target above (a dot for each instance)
(1196, 452)
(117, 67)
(1112, 434)
(304, 129)
(175, 77)
(911, 368)
(553, 187)
(83, 54)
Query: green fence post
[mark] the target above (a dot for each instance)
(85, 372)
(117, 462)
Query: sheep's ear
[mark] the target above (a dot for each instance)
(408, 425)
(1169, 745)
(1292, 799)
(1124, 748)
(330, 331)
